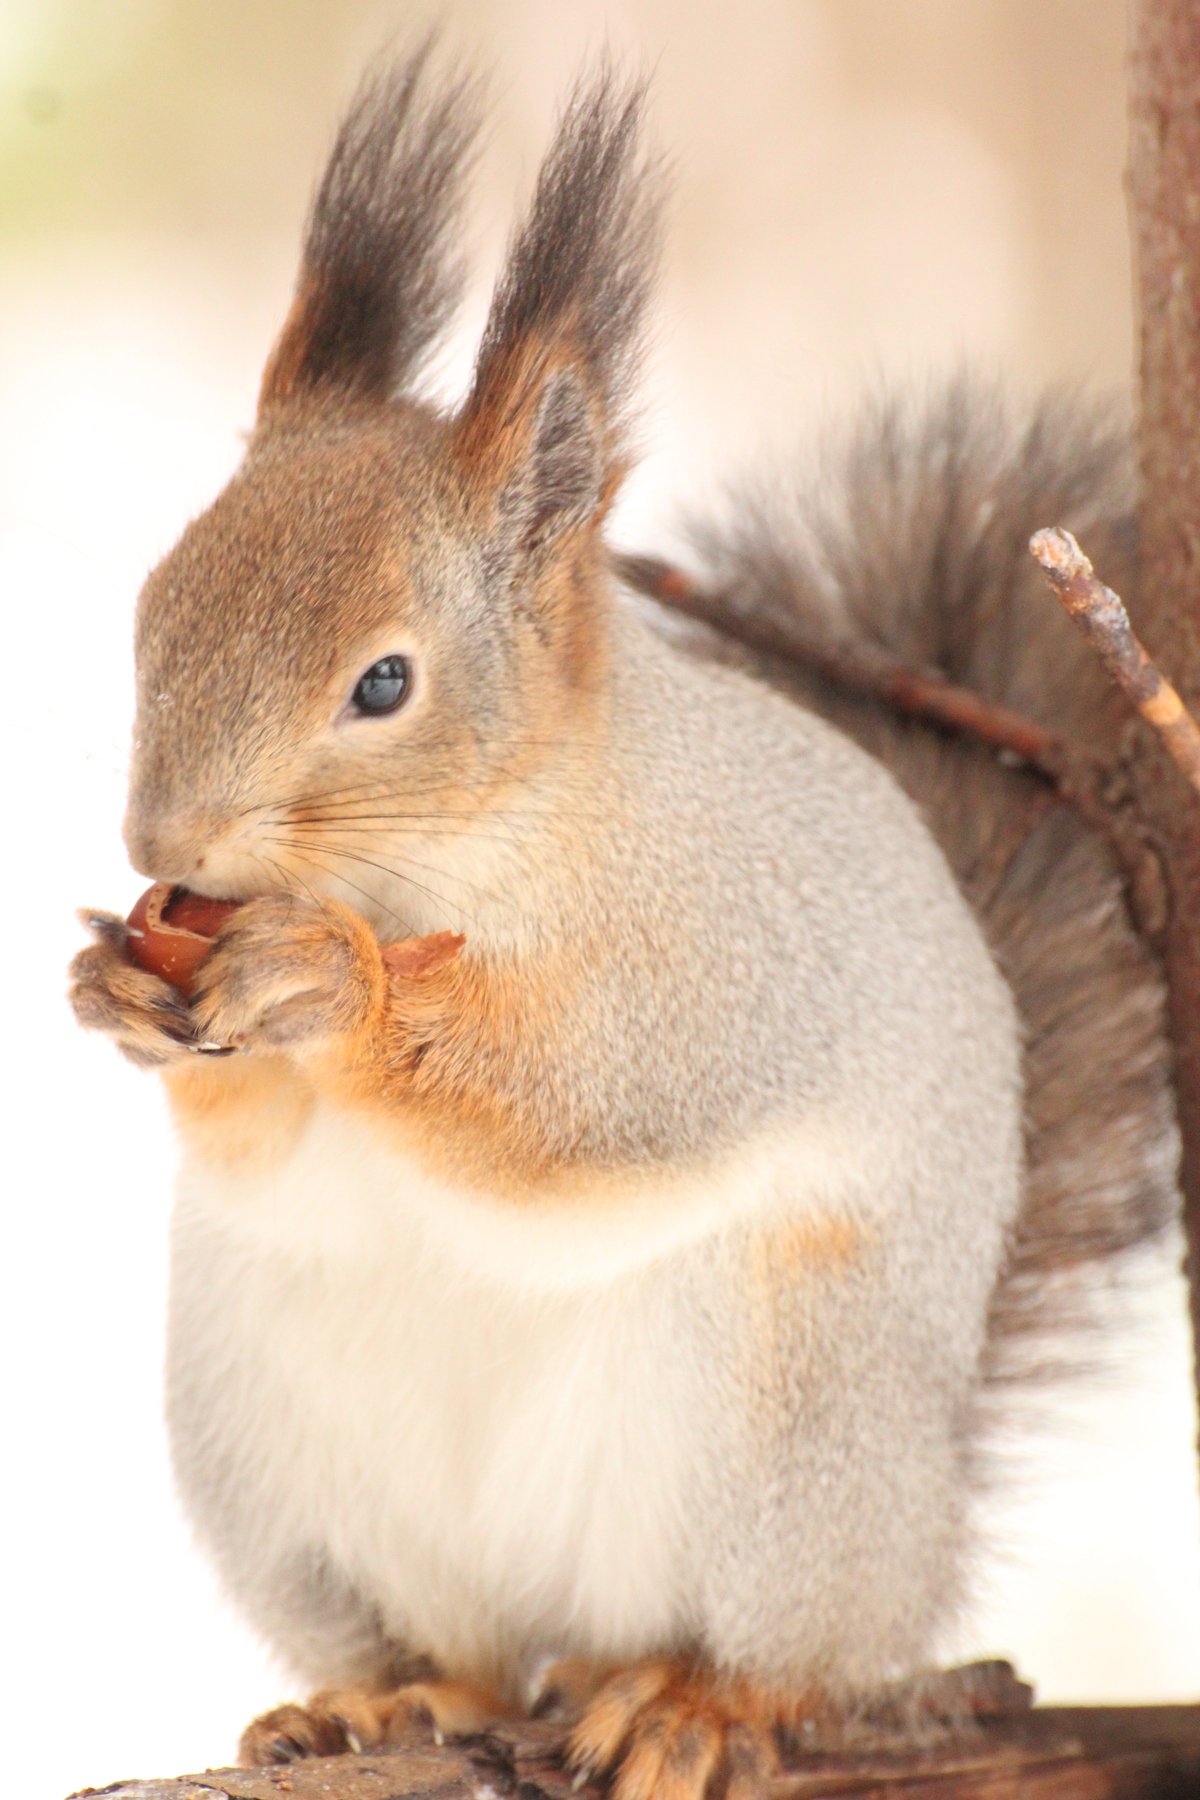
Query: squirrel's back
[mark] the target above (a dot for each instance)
(912, 537)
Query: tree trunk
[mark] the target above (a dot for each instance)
(1165, 199)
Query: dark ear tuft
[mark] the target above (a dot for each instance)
(378, 278)
(546, 416)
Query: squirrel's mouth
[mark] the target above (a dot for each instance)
(220, 873)
(276, 868)
(401, 882)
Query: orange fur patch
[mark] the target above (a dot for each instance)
(239, 1112)
(786, 1251)
(286, 360)
(426, 1069)
(781, 1255)
(413, 958)
(667, 1731)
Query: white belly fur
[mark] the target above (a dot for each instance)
(501, 1465)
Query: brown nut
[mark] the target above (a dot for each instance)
(171, 931)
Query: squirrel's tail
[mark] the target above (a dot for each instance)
(914, 539)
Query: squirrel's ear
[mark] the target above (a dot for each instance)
(542, 438)
(539, 470)
(378, 274)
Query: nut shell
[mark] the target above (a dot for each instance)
(171, 931)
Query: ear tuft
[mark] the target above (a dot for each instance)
(564, 333)
(378, 278)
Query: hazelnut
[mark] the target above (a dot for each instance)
(171, 931)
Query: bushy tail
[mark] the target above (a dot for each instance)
(912, 536)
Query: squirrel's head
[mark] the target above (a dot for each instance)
(395, 619)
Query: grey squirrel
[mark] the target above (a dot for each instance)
(659, 1124)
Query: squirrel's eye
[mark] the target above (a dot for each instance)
(384, 686)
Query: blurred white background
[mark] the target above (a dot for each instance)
(862, 186)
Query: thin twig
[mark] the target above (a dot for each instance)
(1081, 780)
(1101, 617)
(860, 667)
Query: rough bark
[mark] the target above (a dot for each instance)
(1057, 1753)
(1165, 198)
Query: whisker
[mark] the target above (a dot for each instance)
(369, 790)
(399, 874)
(325, 849)
(286, 876)
(406, 925)
(475, 887)
(368, 822)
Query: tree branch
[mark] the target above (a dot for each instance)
(1078, 778)
(1101, 617)
(924, 694)
(1054, 1753)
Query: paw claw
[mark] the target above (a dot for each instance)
(285, 1749)
(351, 1719)
(143, 1015)
(105, 927)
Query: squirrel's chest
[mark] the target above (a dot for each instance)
(494, 1470)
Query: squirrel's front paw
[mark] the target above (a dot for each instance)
(145, 1017)
(289, 974)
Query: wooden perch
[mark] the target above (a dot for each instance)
(1055, 1753)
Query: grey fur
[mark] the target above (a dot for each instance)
(787, 964)
(910, 531)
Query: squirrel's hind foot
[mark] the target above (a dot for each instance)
(672, 1731)
(355, 1719)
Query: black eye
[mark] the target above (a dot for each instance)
(384, 687)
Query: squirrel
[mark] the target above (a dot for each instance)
(664, 1105)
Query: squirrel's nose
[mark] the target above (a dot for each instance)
(165, 849)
